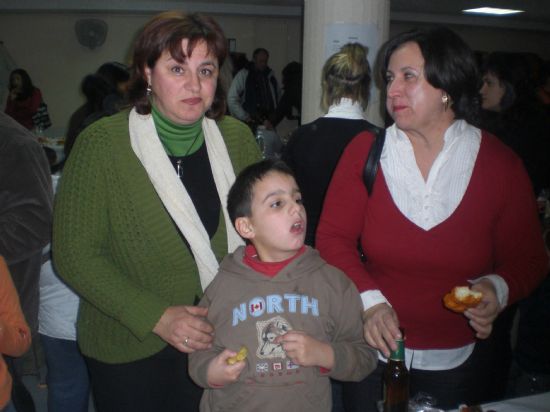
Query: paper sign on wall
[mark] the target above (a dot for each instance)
(338, 34)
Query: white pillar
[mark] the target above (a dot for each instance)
(329, 24)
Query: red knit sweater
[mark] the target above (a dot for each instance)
(494, 230)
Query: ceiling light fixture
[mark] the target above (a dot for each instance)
(492, 11)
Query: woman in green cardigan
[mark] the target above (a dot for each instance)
(140, 219)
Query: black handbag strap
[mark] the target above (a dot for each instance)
(373, 159)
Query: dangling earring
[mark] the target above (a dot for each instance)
(445, 100)
(149, 90)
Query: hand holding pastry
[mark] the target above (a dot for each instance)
(462, 298)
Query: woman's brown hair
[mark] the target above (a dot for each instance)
(165, 32)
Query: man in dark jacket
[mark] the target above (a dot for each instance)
(254, 92)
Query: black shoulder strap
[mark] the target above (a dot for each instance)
(373, 159)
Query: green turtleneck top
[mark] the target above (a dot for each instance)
(178, 139)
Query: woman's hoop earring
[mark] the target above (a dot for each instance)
(445, 100)
(149, 90)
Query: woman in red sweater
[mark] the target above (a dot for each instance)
(24, 99)
(15, 337)
(451, 205)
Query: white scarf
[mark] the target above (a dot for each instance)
(149, 150)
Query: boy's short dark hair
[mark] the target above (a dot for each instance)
(239, 199)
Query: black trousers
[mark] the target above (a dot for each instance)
(158, 383)
(468, 383)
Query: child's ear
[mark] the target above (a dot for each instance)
(244, 227)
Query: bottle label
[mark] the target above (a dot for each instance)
(398, 354)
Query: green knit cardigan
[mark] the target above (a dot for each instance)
(117, 247)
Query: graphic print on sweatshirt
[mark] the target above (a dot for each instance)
(267, 314)
(268, 330)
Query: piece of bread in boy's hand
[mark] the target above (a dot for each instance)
(241, 355)
(462, 298)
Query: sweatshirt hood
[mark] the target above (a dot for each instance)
(303, 265)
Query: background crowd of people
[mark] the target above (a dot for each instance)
(141, 224)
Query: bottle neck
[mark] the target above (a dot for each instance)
(399, 354)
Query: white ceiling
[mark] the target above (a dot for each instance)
(535, 17)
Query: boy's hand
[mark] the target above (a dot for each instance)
(220, 373)
(304, 350)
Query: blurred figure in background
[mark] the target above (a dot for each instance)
(67, 374)
(95, 89)
(543, 90)
(105, 93)
(314, 149)
(289, 110)
(254, 92)
(117, 77)
(24, 99)
(513, 113)
(530, 371)
(25, 224)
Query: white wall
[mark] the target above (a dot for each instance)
(45, 45)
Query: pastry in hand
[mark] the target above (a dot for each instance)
(462, 298)
(241, 355)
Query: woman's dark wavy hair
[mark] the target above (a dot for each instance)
(449, 65)
(166, 32)
(26, 87)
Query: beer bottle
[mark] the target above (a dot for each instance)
(396, 381)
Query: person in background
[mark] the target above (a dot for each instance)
(543, 89)
(451, 206)
(25, 225)
(254, 92)
(117, 77)
(530, 371)
(15, 336)
(140, 221)
(289, 110)
(313, 150)
(95, 89)
(238, 62)
(23, 99)
(315, 330)
(67, 375)
(513, 113)
(106, 94)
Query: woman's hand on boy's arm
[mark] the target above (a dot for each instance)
(220, 373)
(304, 350)
(185, 328)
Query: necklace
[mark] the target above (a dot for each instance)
(179, 169)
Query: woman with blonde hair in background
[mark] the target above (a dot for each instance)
(315, 148)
